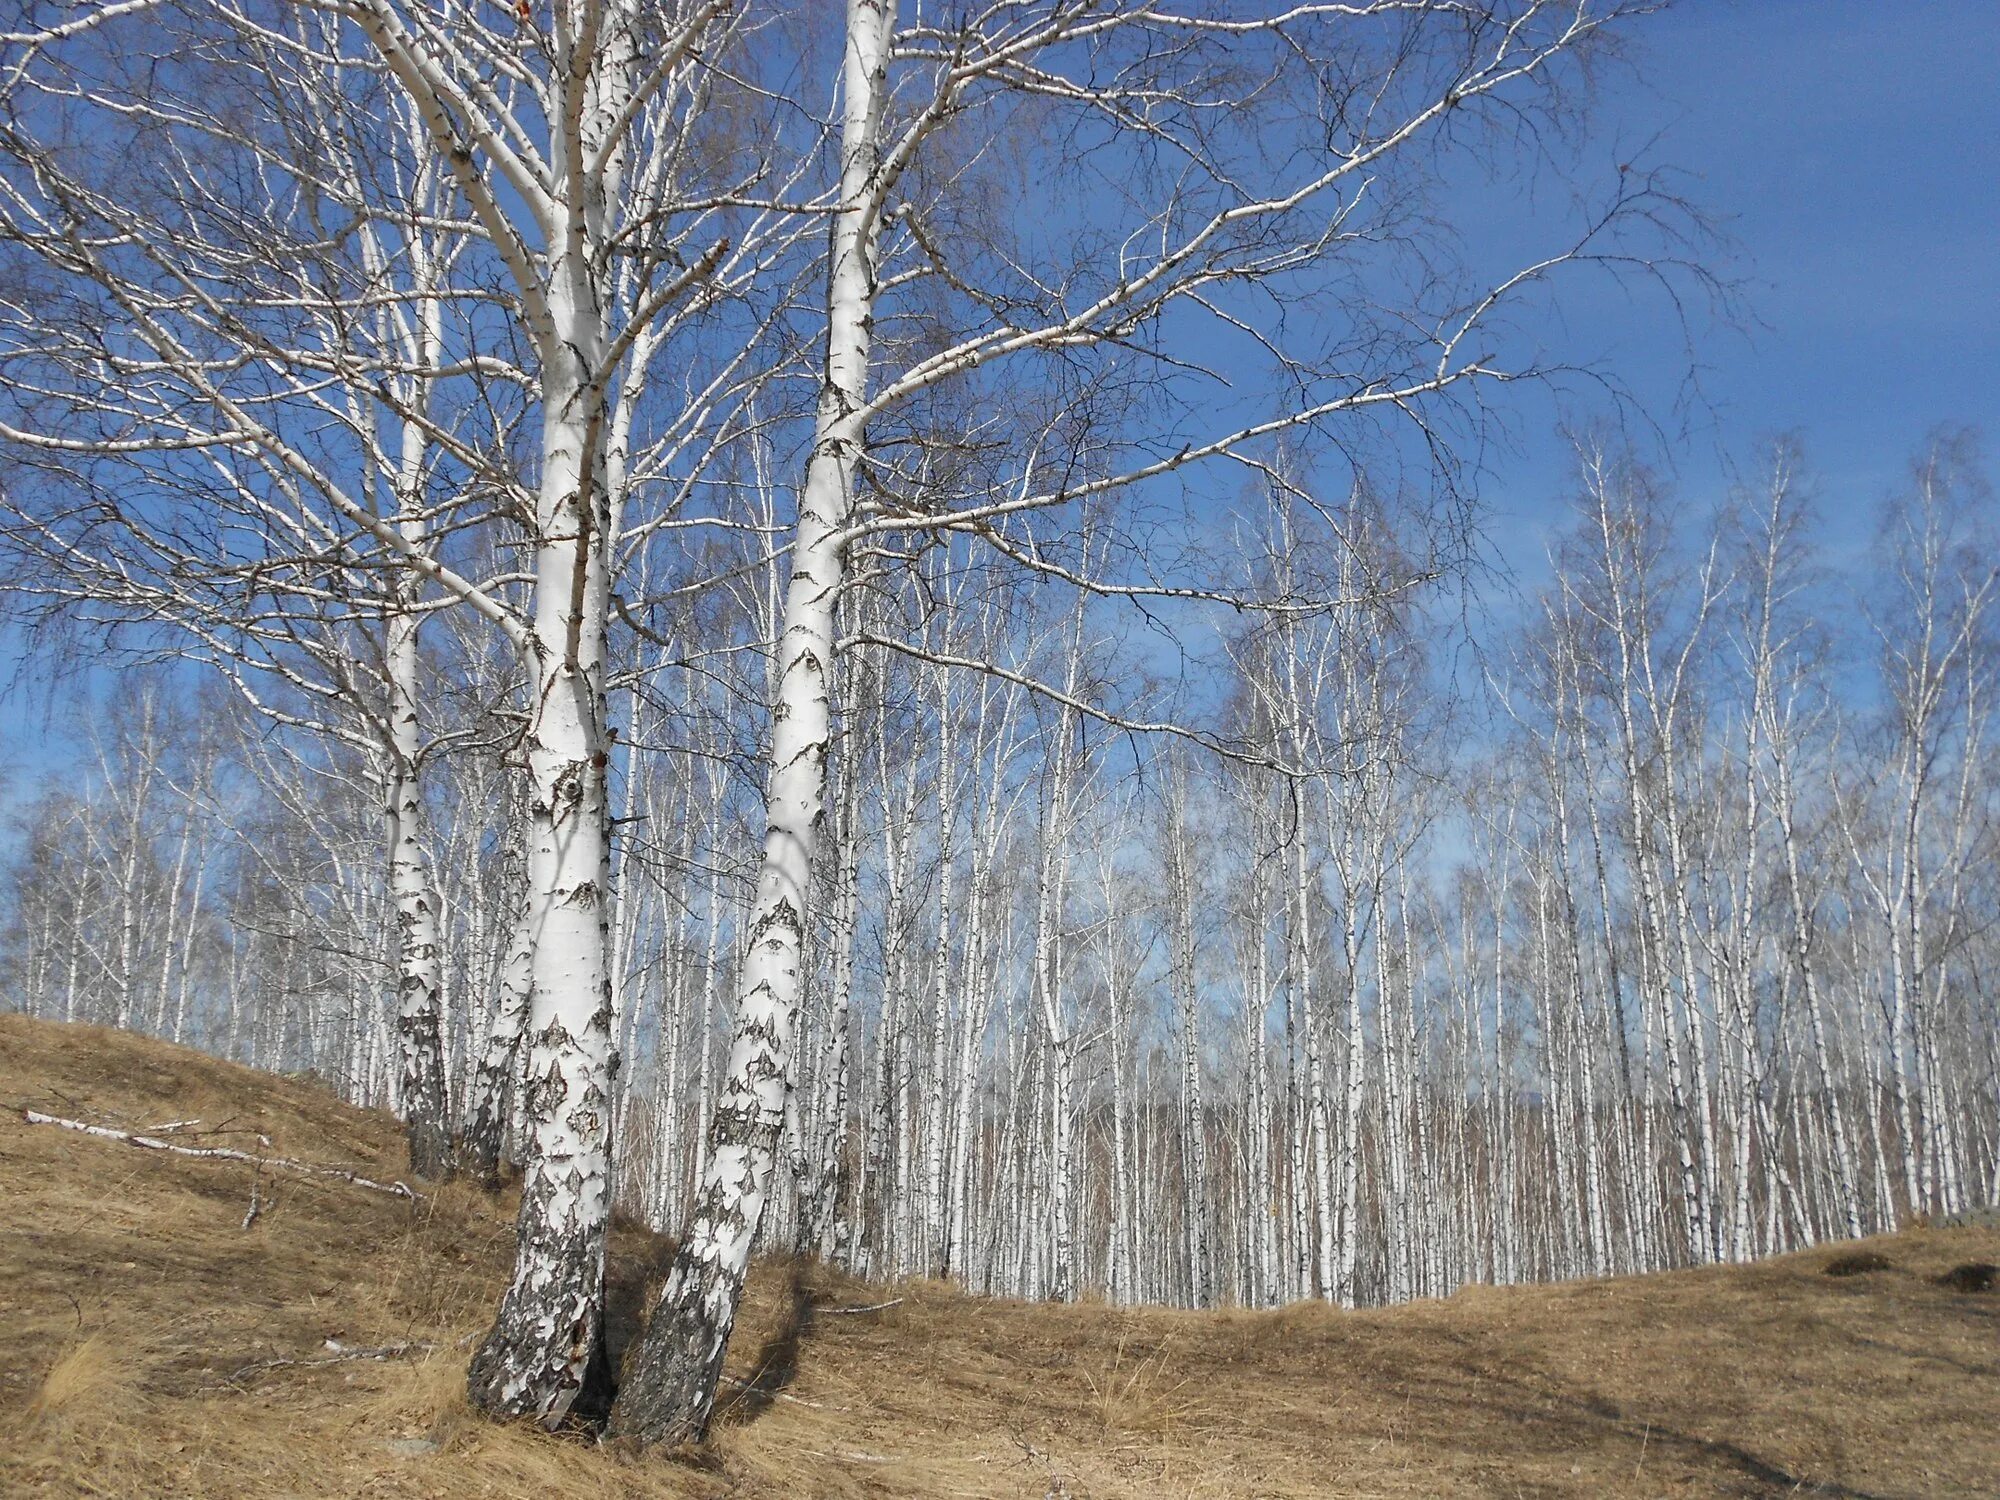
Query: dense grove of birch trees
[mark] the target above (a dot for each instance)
(852, 637)
(1673, 945)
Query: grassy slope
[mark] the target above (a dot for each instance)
(135, 1314)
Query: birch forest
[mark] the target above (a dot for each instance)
(871, 630)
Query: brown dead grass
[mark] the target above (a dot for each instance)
(139, 1324)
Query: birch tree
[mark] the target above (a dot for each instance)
(1237, 224)
(564, 147)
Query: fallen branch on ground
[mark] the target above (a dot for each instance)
(872, 1307)
(851, 1455)
(341, 1355)
(224, 1153)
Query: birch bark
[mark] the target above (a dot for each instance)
(544, 1356)
(671, 1379)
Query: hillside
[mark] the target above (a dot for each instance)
(152, 1345)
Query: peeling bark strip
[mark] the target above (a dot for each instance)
(224, 1153)
(672, 1375)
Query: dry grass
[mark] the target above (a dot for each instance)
(150, 1347)
(89, 1385)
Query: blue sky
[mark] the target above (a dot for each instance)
(1850, 150)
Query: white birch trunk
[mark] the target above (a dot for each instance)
(1194, 1113)
(671, 1380)
(544, 1357)
(499, 1058)
(419, 1019)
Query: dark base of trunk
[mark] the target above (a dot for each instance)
(478, 1154)
(512, 1378)
(810, 1226)
(431, 1155)
(484, 1141)
(544, 1358)
(490, 1386)
(672, 1371)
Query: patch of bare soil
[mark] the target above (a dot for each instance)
(152, 1346)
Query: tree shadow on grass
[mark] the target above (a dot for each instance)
(1482, 1413)
(1702, 1451)
(634, 1268)
(776, 1362)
